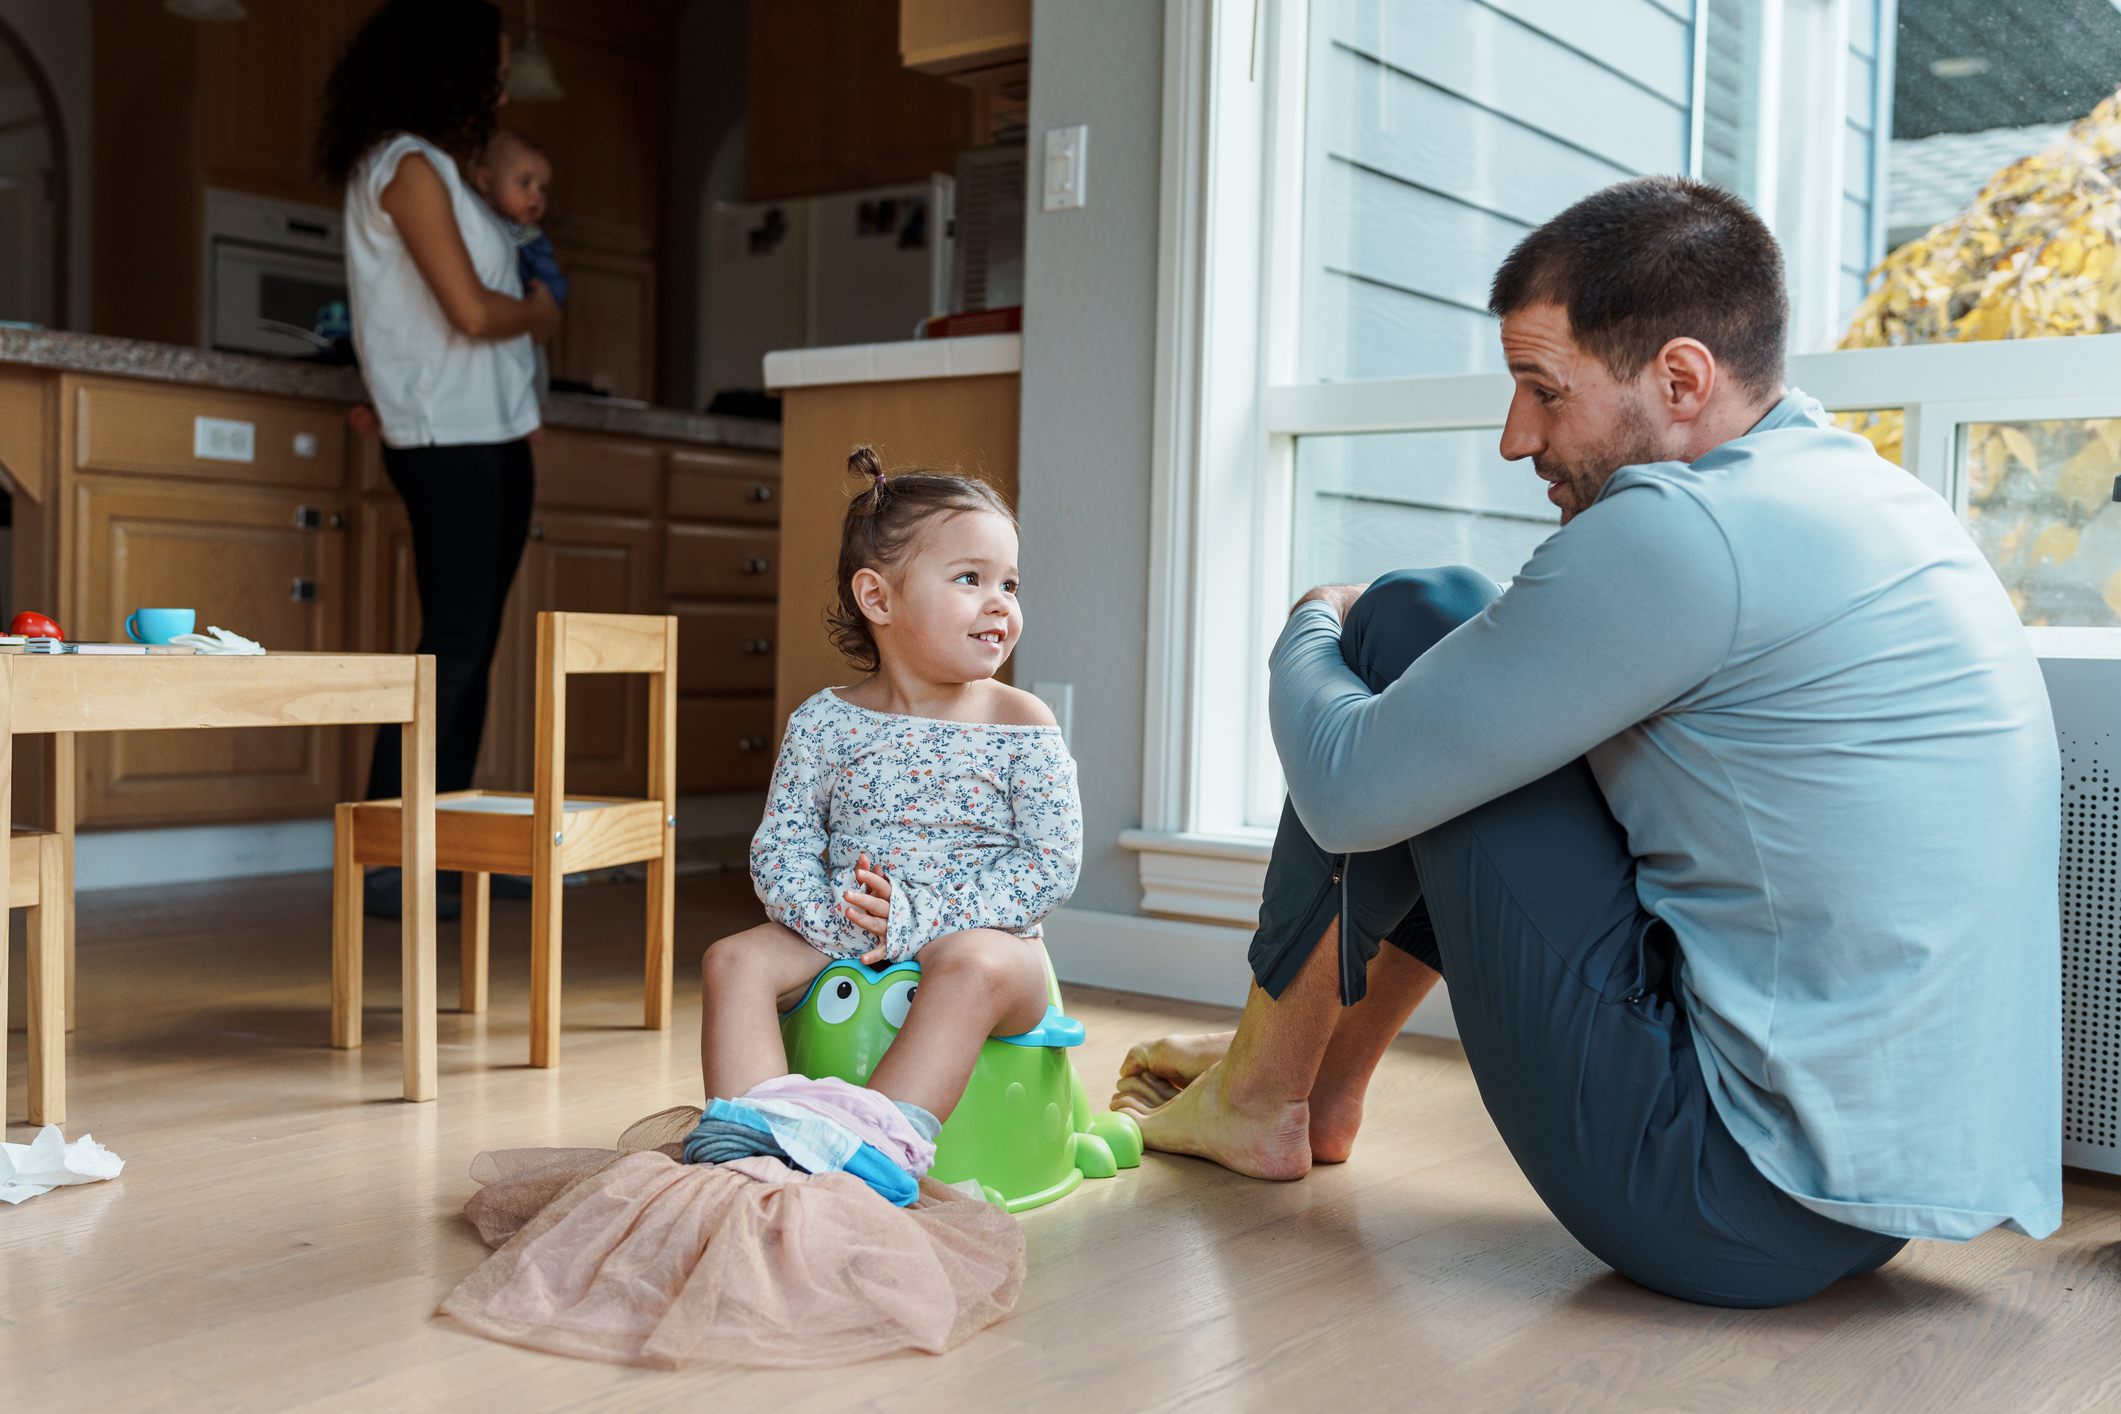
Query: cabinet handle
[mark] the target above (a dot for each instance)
(305, 591)
(759, 491)
(752, 742)
(308, 517)
(757, 647)
(755, 564)
(537, 532)
(337, 521)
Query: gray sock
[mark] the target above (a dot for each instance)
(924, 1124)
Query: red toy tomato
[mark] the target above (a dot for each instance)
(31, 624)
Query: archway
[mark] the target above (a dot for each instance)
(33, 180)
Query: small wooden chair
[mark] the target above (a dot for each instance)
(545, 834)
(37, 882)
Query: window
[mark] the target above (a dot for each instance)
(1330, 387)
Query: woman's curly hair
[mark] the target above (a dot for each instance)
(882, 522)
(426, 67)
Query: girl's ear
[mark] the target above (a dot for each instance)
(873, 593)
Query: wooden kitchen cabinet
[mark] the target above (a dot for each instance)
(829, 107)
(963, 38)
(607, 507)
(249, 559)
(721, 571)
(306, 547)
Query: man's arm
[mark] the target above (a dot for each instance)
(1615, 618)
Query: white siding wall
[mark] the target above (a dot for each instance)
(1441, 132)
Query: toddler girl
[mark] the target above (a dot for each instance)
(926, 811)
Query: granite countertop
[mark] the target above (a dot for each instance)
(174, 363)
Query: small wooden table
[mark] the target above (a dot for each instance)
(67, 693)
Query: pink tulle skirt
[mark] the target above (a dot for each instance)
(630, 1256)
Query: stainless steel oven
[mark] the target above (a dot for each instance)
(275, 276)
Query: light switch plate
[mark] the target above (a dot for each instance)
(1065, 150)
(221, 439)
(1059, 698)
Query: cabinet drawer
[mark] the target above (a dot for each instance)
(128, 427)
(724, 743)
(596, 472)
(725, 648)
(725, 486)
(721, 562)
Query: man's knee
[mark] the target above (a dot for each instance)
(1404, 614)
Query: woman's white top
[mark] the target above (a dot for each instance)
(974, 825)
(432, 386)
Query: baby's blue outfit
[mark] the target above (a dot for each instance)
(535, 259)
(1813, 712)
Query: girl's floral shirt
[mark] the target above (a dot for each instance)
(976, 826)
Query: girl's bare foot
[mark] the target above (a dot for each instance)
(1259, 1140)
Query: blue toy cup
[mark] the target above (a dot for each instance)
(158, 625)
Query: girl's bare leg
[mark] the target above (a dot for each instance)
(974, 984)
(745, 979)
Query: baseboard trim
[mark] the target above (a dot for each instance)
(131, 859)
(1189, 962)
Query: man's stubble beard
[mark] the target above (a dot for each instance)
(1633, 441)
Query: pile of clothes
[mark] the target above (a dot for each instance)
(632, 1255)
(823, 1126)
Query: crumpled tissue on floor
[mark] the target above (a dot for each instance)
(49, 1162)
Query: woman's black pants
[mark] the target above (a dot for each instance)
(470, 512)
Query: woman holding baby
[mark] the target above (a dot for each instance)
(447, 333)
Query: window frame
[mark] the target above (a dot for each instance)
(1229, 410)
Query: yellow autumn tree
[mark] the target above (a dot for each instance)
(2037, 254)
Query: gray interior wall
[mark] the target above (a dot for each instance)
(1089, 365)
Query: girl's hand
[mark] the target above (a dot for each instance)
(869, 906)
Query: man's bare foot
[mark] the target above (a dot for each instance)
(1334, 1122)
(1154, 1071)
(1260, 1140)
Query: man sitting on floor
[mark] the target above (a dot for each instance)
(1734, 823)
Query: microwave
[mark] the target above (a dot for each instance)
(275, 275)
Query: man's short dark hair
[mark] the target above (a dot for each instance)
(1655, 259)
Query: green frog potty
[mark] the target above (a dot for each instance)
(1023, 1131)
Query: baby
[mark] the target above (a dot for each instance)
(515, 177)
(928, 811)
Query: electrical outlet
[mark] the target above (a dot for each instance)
(1065, 149)
(1059, 698)
(221, 439)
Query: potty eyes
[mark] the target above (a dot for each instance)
(897, 1000)
(837, 999)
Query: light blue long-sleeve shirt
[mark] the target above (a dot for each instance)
(1811, 706)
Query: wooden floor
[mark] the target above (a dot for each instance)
(286, 1226)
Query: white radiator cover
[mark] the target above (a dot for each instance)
(2083, 671)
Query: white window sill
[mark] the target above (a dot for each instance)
(1208, 878)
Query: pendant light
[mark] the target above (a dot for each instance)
(212, 11)
(530, 78)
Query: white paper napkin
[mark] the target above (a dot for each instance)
(49, 1162)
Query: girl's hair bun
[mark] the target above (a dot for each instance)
(870, 499)
(878, 533)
